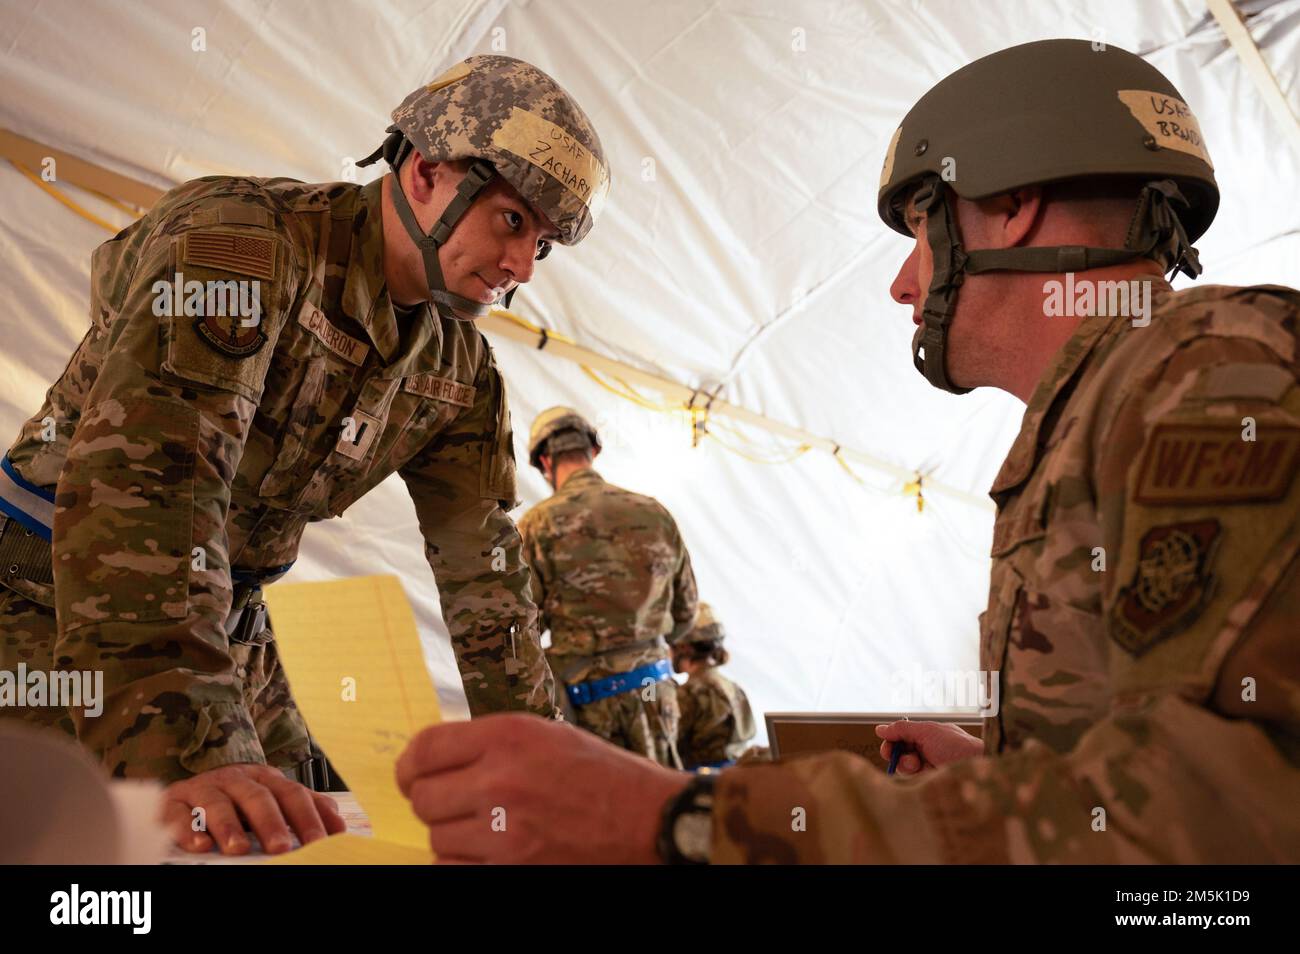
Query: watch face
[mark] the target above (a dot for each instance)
(693, 834)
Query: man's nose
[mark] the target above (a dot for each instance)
(519, 261)
(905, 289)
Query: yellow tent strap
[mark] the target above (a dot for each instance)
(535, 329)
(90, 216)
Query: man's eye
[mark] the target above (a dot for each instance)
(543, 249)
(514, 220)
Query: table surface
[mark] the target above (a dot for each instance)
(348, 806)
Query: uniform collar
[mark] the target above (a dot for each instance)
(1059, 377)
(587, 477)
(365, 297)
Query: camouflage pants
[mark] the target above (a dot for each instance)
(27, 635)
(647, 726)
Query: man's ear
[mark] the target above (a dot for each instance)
(1001, 221)
(1025, 209)
(595, 452)
(423, 177)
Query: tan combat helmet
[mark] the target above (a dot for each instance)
(514, 121)
(1038, 113)
(707, 629)
(559, 429)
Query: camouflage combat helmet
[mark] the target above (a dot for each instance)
(1037, 113)
(513, 121)
(707, 629)
(559, 429)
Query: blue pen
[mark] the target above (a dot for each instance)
(896, 752)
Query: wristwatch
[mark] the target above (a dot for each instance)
(686, 835)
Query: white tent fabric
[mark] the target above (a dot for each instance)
(740, 247)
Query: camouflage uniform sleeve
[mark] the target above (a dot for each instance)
(534, 557)
(686, 598)
(1197, 759)
(141, 567)
(462, 483)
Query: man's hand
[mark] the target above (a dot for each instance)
(515, 788)
(931, 744)
(262, 795)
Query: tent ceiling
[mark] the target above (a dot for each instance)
(740, 246)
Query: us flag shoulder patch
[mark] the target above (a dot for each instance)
(1215, 463)
(232, 252)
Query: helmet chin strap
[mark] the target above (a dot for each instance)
(447, 303)
(930, 343)
(1155, 231)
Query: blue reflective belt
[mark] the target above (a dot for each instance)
(712, 766)
(260, 576)
(585, 693)
(24, 502)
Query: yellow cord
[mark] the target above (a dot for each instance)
(914, 488)
(132, 210)
(628, 393)
(90, 216)
(699, 415)
(790, 458)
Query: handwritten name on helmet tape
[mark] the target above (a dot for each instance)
(1212, 464)
(341, 343)
(1168, 119)
(430, 385)
(553, 150)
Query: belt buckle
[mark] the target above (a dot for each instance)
(252, 622)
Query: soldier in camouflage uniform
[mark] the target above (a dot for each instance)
(262, 353)
(1146, 552)
(612, 579)
(1146, 570)
(716, 720)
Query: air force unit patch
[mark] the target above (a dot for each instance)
(1170, 585)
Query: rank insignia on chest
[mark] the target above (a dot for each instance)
(1169, 587)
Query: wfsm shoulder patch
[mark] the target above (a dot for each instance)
(1213, 463)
